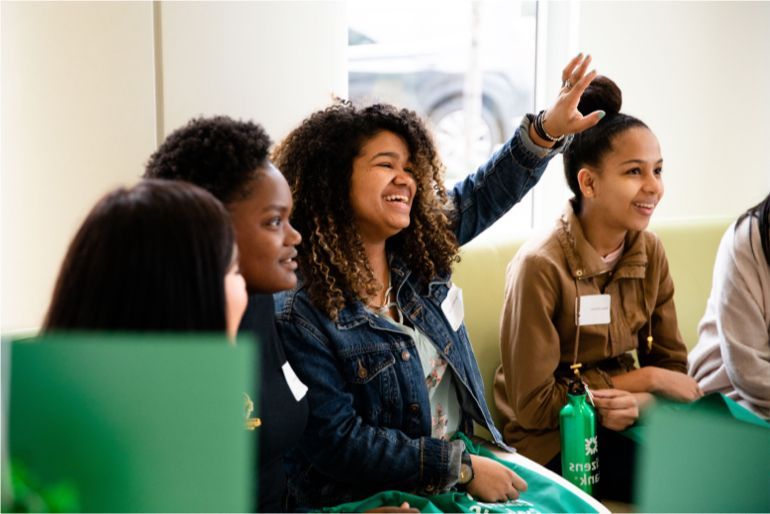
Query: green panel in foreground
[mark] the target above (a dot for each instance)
(136, 423)
(704, 459)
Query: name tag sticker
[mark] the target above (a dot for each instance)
(594, 309)
(452, 306)
(298, 389)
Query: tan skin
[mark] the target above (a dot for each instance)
(619, 195)
(382, 192)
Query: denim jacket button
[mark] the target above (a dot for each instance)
(405, 355)
(362, 373)
(414, 408)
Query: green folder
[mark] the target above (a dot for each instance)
(709, 456)
(135, 423)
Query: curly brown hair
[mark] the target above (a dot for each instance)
(317, 160)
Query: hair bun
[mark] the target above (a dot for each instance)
(601, 94)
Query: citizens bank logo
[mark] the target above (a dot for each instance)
(592, 445)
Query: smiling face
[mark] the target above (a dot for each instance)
(382, 187)
(266, 239)
(624, 191)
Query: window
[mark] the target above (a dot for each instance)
(452, 61)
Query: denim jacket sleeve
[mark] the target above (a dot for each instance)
(338, 442)
(499, 184)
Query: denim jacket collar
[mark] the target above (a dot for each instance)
(355, 313)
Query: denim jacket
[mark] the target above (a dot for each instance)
(370, 424)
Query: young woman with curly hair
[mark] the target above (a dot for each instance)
(375, 325)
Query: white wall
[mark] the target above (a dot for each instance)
(698, 73)
(77, 120)
(79, 110)
(274, 62)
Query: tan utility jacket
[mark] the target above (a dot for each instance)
(538, 324)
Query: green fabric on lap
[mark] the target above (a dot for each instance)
(542, 495)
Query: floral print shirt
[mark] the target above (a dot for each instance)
(444, 404)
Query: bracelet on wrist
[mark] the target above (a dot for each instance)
(540, 129)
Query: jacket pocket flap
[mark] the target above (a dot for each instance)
(363, 367)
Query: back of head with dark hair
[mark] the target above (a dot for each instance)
(152, 257)
(590, 146)
(761, 211)
(219, 154)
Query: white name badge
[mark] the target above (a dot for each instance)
(594, 309)
(452, 306)
(298, 389)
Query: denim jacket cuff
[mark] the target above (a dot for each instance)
(435, 465)
(530, 153)
(456, 450)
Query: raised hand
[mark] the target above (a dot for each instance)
(563, 116)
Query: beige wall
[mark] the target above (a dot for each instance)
(79, 110)
(77, 120)
(698, 73)
(275, 62)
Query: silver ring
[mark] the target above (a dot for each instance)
(567, 84)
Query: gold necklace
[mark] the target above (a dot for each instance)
(386, 300)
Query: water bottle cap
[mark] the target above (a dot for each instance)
(576, 387)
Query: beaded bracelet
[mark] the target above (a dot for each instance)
(540, 130)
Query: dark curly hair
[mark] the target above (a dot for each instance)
(590, 146)
(317, 160)
(219, 154)
(151, 257)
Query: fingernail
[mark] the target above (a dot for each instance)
(601, 114)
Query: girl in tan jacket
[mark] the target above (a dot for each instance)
(601, 262)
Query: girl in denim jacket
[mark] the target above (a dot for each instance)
(375, 326)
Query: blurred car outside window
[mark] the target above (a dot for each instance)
(450, 61)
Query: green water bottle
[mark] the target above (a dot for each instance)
(579, 444)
